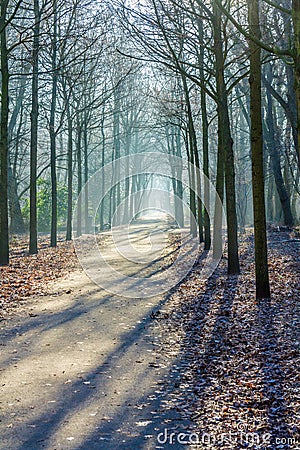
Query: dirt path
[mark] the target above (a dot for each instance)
(79, 371)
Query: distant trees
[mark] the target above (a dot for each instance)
(171, 34)
(179, 31)
(57, 79)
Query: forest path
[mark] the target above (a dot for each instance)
(79, 371)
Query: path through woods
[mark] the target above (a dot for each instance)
(84, 369)
(79, 370)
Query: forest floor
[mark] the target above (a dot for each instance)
(205, 366)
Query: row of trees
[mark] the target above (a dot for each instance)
(83, 84)
(214, 47)
(59, 78)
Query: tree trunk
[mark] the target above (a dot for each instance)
(79, 178)
(53, 242)
(295, 197)
(272, 145)
(192, 185)
(270, 195)
(225, 146)
(194, 160)
(179, 188)
(70, 175)
(102, 204)
(296, 24)
(206, 219)
(34, 132)
(4, 237)
(86, 175)
(17, 225)
(260, 235)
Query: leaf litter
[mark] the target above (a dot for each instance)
(28, 275)
(235, 381)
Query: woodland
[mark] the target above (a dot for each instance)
(89, 85)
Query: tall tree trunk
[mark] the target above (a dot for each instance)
(192, 185)
(102, 204)
(79, 177)
(70, 174)
(4, 237)
(194, 160)
(34, 132)
(179, 189)
(117, 149)
(291, 109)
(296, 24)
(207, 237)
(86, 174)
(17, 225)
(53, 242)
(270, 195)
(225, 146)
(206, 219)
(260, 234)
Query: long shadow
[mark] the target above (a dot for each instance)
(51, 422)
(73, 397)
(210, 375)
(273, 376)
(45, 425)
(158, 423)
(218, 343)
(48, 321)
(262, 417)
(163, 421)
(215, 348)
(164, 267)
(218, 349)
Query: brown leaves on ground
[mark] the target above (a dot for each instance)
(28, 275)
(237, 367)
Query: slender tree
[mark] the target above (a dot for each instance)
(52, 131)
(33, 248)
(4, 237)
(260, 235)
(296, 57)
(274, 151)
